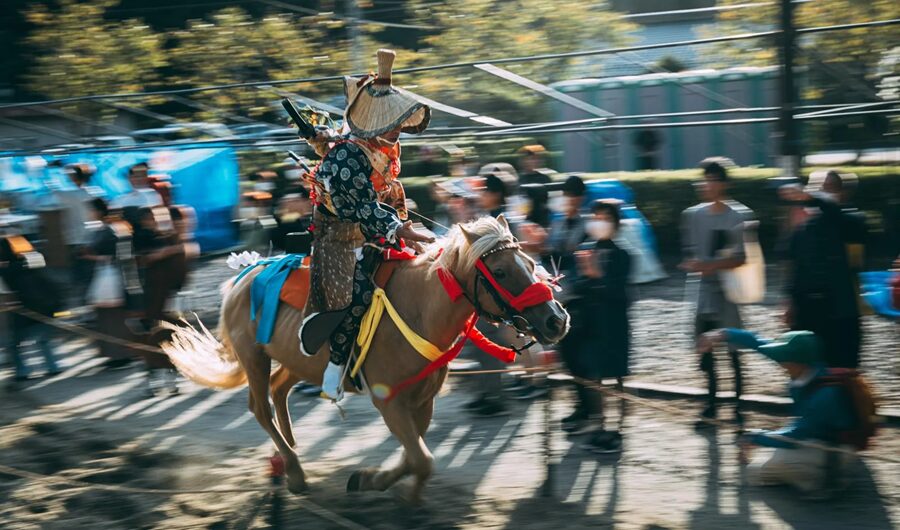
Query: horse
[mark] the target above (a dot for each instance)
(419, 296)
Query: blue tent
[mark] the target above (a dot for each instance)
(205, 178)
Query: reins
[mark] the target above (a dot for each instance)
(535, 294)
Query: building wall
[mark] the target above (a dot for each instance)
(680, 147)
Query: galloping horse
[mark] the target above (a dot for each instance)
(473, 254)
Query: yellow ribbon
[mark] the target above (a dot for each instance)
(370, 323)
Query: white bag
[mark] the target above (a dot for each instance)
(746, 284)
(107, 288)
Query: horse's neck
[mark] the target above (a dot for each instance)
(426, 307)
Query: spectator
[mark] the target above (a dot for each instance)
(110, 249)
(142, 195)
(22, 270)
(833, 407)
(567, 231)
(492, 201)
(531, 165)
(76, 233)
(294, 214)
(532, 231)
(820, 286)
(162, 261)
(599, 312)
(713, 241)
(492, 197)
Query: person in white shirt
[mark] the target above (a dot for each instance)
(141, 194)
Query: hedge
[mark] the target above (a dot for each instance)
(663, 195)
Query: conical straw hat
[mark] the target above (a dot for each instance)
(375, 107)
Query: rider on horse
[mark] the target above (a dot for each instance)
(357, 182)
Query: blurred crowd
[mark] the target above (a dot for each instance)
(130, 256)
(124, 260)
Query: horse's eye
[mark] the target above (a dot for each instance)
(499, 274)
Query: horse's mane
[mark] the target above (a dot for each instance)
(454, 252)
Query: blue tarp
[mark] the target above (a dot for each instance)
(875, 287)
(203, 178)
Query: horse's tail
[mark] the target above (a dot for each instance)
(202, 358)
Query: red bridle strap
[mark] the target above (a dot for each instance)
(535, 294)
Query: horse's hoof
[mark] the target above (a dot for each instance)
(355, 481)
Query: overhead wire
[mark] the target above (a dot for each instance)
(464, 64)
(548, 128)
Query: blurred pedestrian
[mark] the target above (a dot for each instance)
(832, 407)
(713, 241)
(22, 269)
(489, 402)
(532, 165)
(532, 231)
(567, 230)
(109, 252)
(820, 286)
(162, 261)
(142, 195)
(76, 234)
(293, 214)
(600, 334)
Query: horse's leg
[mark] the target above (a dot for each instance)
(281, 383)
(258, 368)
(404, 423)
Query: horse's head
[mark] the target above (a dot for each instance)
(500, 281)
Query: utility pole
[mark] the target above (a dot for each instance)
(356, 45)
(790, 145)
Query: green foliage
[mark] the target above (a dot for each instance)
(77, 52)
(232, 47)
(841, 66)
(485, 29)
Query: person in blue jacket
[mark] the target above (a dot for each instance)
(823, 411)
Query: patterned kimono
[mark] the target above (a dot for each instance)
(346, 178)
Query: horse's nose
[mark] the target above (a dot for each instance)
(555, 324)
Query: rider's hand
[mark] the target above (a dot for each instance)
(412, 237)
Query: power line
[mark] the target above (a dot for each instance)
(507, 60)
(549, 128)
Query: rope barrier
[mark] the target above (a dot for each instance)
(679, 412)
(80, 330)
(585, 382)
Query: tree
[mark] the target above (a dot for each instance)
(484, 29)
(232, 47)
(77, 52)
(839, 66)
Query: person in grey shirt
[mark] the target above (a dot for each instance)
(713, 241)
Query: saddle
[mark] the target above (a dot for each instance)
(318, 328)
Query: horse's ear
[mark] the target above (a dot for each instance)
(470, 237)
(503, 222)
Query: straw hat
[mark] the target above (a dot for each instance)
(375, 107)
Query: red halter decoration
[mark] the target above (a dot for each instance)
(535, 294)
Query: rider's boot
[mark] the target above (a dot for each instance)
(333, 381)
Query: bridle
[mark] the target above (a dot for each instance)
(510, 305)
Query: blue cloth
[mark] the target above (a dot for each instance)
(266, 290)
(876, 291)
(821, 411)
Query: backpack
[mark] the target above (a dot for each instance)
(862, 401)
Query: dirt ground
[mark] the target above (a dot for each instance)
(661, 350)
(99, 427)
